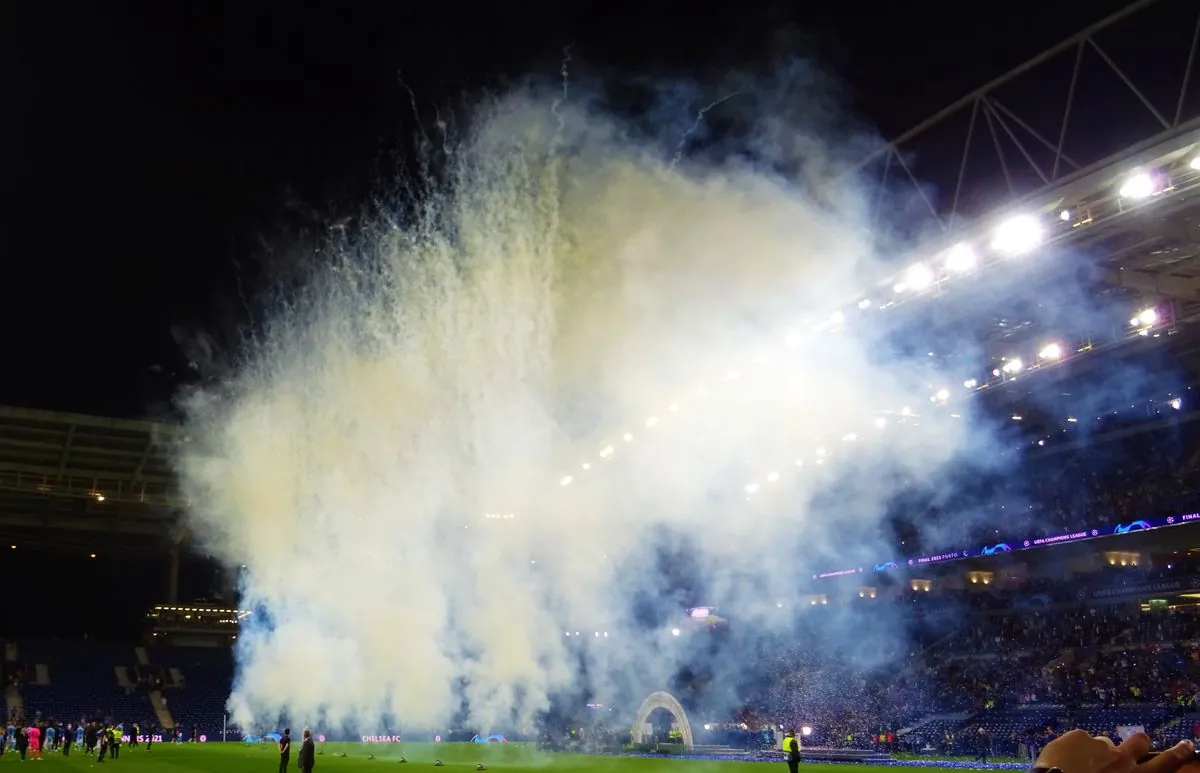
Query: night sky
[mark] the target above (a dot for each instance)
(153, 151)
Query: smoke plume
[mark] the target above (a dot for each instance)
(513, 412)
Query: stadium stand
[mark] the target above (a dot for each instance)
(201, 678)
(1001, 679)
(73, 680)
(1117, 468)
(992, 668)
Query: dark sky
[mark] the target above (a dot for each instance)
(147, 147)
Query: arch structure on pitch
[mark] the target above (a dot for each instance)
(662, 700)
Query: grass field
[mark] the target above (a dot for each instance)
(458, 758)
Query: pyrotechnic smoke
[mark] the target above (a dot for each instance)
(483, 425)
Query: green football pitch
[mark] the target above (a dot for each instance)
(457, 758)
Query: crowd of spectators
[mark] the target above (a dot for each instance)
(1058, 665)
(1059, 489)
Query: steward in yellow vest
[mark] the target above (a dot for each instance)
(791, 751)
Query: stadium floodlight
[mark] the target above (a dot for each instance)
(1176, 403)
(806, 731)
(970, 383)
(864, 304)
(918, 277)
(1065, 215)
(960, 258)
(881, 422)
(943, 395)
(1139, 185)
(1050, 352)
(1147, 317)
(899, 287)
(1013, 366)
(566, 481)
(1017, 235)
(1195, 164)
(751, 488)
(674, 631)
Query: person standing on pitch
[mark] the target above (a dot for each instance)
(285, 749)
(791, 751)
(307, 753)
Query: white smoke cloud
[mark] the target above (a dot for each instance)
(564, 289)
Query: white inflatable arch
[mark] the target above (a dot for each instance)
(662, 700)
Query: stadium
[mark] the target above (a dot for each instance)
(1058, 587)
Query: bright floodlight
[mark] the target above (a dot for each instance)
(865, 303)
(1146, 317)
(1013, 366)
(1017, 235)
(1176, 403)
(942, 395)
(566, 480)
(1065, 215)
(674, 631)
(1050, 352)
(1139, 186)
(960, 258)
(919, 277)
(806, 731)
(1195, 163)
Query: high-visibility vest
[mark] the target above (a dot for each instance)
(790, 745)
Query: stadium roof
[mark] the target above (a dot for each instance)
(1059, 139)
(72, 480)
